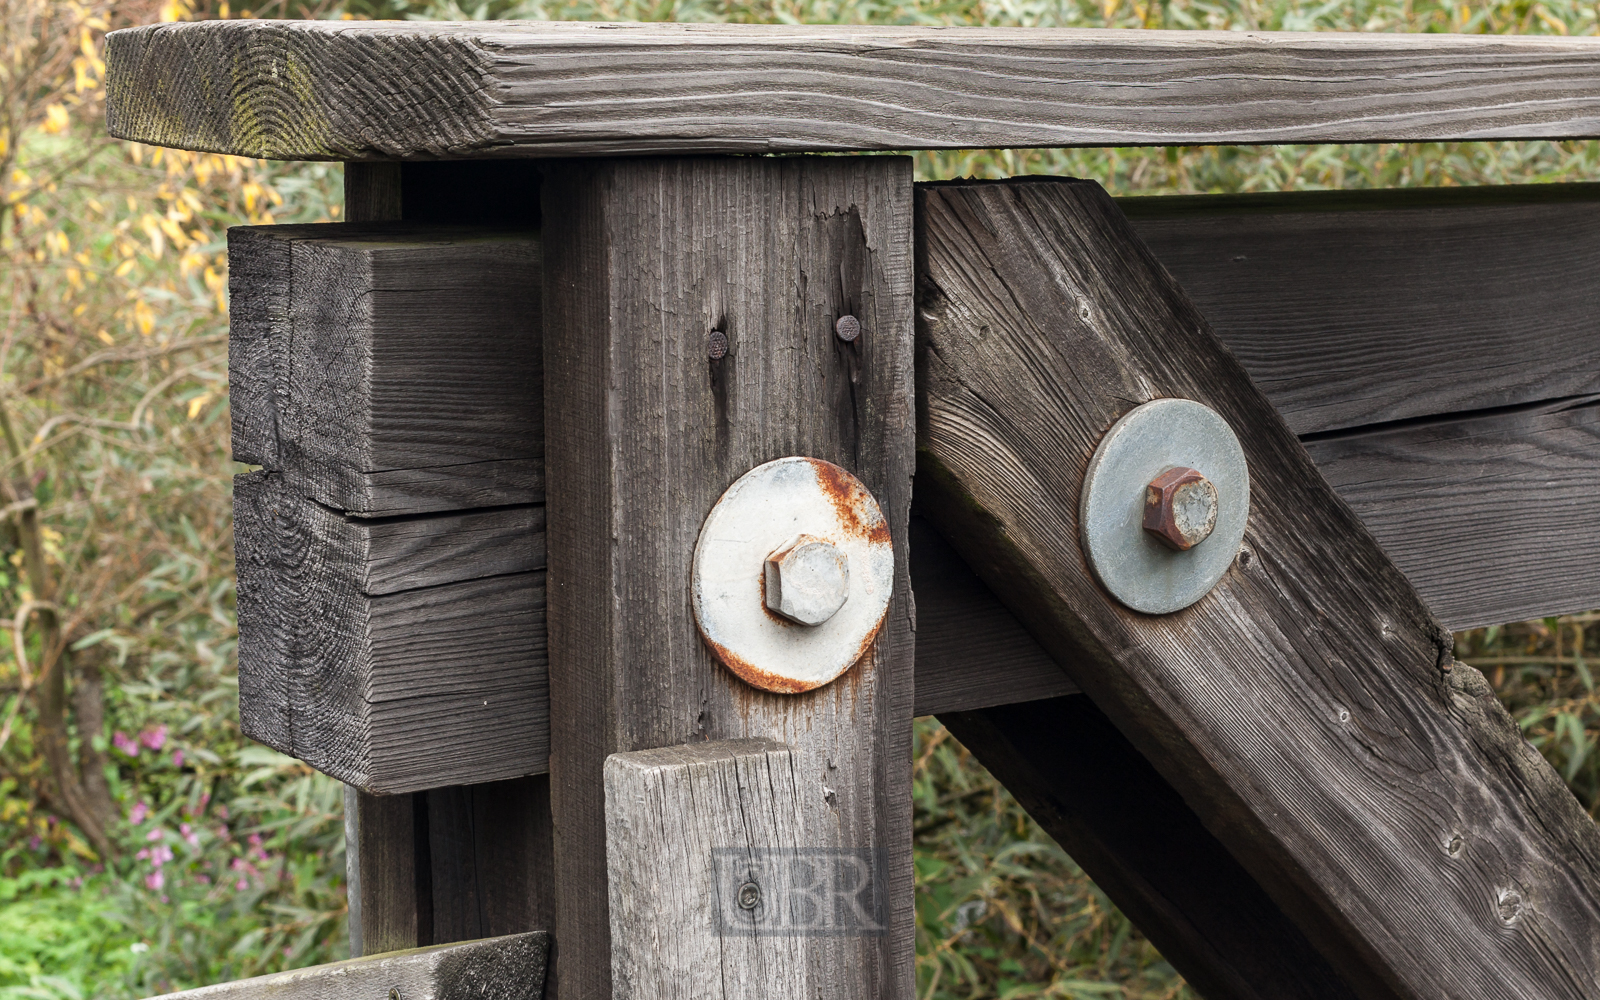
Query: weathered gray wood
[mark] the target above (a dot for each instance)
(489, 855)
(387, 905)
(1361, 307)
(395, 655)
(971, 652)
(1087, 786)
(1493, 519)
(503, 968)
(644, 258)
(405, 364)
(688, 828)
(1308, 709)
(364, 90)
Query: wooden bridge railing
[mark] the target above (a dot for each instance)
(491, 423)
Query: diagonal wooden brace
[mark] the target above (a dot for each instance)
(1308, 709)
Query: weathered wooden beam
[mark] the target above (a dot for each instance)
(467, 861)
(1308, 709)
(502, 968)
(971, 652)
(1493, 518)
(716, 887)
(389, 368)
(396, 655)
(346, 90)
(1085, 784)
(644, 258)
(1353, 308)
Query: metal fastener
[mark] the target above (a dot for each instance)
(848, 328)
(749, 896)
(394, 993)
(718, 346)
(1180, 508)
(808, 579)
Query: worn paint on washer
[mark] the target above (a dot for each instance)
(767, 507)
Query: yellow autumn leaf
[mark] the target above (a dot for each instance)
(55, 119)
(197, 403)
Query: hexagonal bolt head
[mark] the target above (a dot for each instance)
(808, 579)
(1180, 508)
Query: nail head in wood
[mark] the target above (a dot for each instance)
(848, 328)
(718, 346)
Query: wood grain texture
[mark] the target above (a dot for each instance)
(1086, 785)
(303, 90)
(643, 259)
(489, 854)
(394, 654)
(1308, 708)
(688, 828)
(404, 359)
(1493, 519)
(971, 652)
(387, 903)
(1363, 307)
(505, 968)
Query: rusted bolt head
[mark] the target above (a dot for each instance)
(808, 579)
(847, 327)
(1180, 508)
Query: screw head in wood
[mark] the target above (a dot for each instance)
(807, 580)
(847, 327)
(717, 346)
(749, 896)
(1180, 508)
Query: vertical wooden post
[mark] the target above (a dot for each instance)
(469, 861)
(645, 430)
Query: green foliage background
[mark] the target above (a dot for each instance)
(222, 859)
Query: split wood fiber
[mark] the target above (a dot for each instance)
(465, 861)
(1308, 709)
(644, 258)
(689, 826)
(1086, 785)
(502, 968)
(302, 90)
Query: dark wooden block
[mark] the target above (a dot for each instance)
(405, 367)
(395, 655)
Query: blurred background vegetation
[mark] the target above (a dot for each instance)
(145, 846)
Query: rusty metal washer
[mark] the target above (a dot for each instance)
(766, 509)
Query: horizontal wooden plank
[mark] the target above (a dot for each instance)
(389, 368)
(505, 968)
(1351, 308)
(971, 652)
(393, 655)
(1493, 519)
(345, 90)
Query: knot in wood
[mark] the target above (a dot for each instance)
(1180, 508)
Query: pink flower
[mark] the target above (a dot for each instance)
(155, 834)
(242, 885)
(160, 855)
(138, 813)
(144, 852)
(122, 742)
(177, 758)
(155, 738)
(189, 835)
(155, 880)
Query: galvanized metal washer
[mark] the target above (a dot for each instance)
(766, 508)
(1152, 438)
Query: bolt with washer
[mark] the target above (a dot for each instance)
(1180, 508)
(808, 579)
